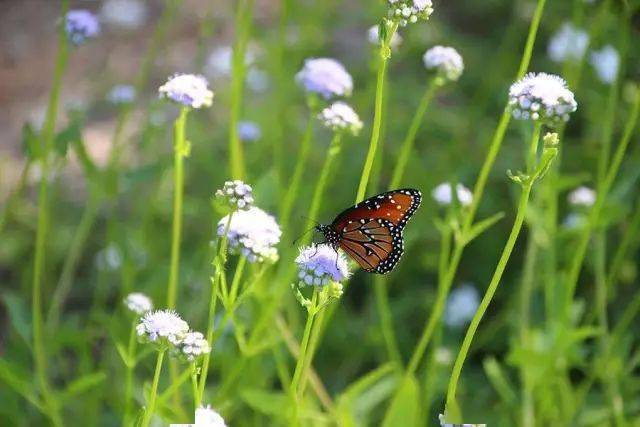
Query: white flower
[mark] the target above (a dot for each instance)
(109, 258)
(189, 90)
(443, 356)
(409, 11)
(374, 37)
(569, 43)
(122, 94)
(236, 194)
(207, 417)
(253, 233)
(125, 14)
(162, 326)
(582, 196)
(442, 194)
(194, 345)
(542, 97)
(320, 264)
(606, 62)
(326, 77)
(461, 305)
(138, 302)
(445, 60)
(340, 116)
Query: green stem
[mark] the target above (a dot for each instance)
(235, 283)
(180, 152)
(128, 387)
(243, 19)
(304, 346)
(622, 251)
(148, 413)
(386, 320)
(495, 280)
(602, 193)
(377, 118)
(526, 291)
(407, 145)
(22, 182)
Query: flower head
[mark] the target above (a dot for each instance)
(410, 11)
(326, 77)
(193, 345)
(125, 14)
(374, 37)
(162, 327)
(542, 97)
(339, 116)
(207, 417)
(320, 264)
(236, 194)
(582, 196)
(122, 94)
(461, 305)
(606, 63)
(446, 61)
(253, 233)
(79, 25)
(568, 43)
(189, 90)
(249, 131)
(442, 194)
(138, 302)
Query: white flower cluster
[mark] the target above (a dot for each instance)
(162, 327)
(253, 233)
(236, 194)
(443, 196)
(193, 345)
(410, 11)
(189, 90)
(461, 305)
(543, 97)
(568, 44)
(207, 417)
(340, 117)
(606, 63)
(374, 37)
(320, 264)
(582, 196)
(446, 61)
(326, 77)
(138, 302)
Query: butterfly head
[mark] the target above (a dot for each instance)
(330, 236)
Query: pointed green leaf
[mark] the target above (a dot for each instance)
(404, 408)
(13, 376)
(81, 385)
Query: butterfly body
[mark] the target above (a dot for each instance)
(370, 232)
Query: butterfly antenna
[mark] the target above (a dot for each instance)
(300, 236)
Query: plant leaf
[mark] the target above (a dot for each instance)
(81, 385)
(404, 407)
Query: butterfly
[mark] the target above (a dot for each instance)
(371, 231)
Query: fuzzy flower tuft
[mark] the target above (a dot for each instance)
(253, 233)
(461, 305)
(162, 327)
(326, 77)
(410, 11)
(80, 25)
(582, 196)
(207, 417)
(138, 302)
(606, 63)
(194, 345)
(374, 37)
(320, 264)
(122, 94)
(446, 61)
(568, 44)
(236, 194)
(190, 90)
(442, 194)
(341, 117)
(542, 97)
(249, 131)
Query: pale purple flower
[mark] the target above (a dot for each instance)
(122, 94)
(582, 196)
(249, 131)
(446, 61)
(320, 264)
(236, 194)
(207, 417)
(326, 77)
(543, 97)
(138, 302)
(79, 25)
(340, 117)
(162, 327)
(410, 11)
(442, 194)
(189, 90)
(568, 44)
(193, 345)
(606, 63)
(461, 305)
(252, 233)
